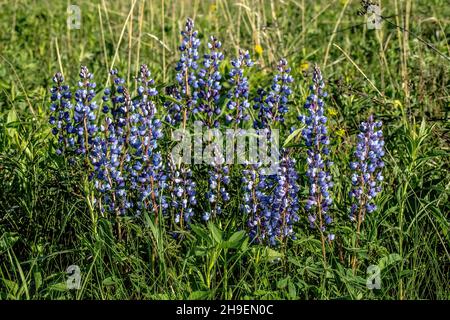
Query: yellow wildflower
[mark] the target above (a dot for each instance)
(258, 49)
(304, 66)
(332, 112)
(340, 132)
(397, 104)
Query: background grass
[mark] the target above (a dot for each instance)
(45, 224)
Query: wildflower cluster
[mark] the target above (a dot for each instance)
(125, 159)
(74, 124)
(119, 146)
(60, 110)
(271, 201)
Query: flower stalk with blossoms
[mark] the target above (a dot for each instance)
(84, 113)
(179, 193)
(60, 114)
(186, 93)
(316, 139)
(209, 85)
(272, 106)
(367, 174)
(271, 202)
(218, 181)
(238, 95)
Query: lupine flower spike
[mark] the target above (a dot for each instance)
(367, 169)
(209, 85)
(317, 141)
(60, 114)
(273, 106)
(187, 91)
(179, 196)
(238, 95)
(271, 202)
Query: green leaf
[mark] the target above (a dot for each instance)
(37, 280)
(198, 295)
(200, 232)
(273, 255)
(282, 283)
(235, 239)
(61, 286)
(292, 291)
(293, 135)
(215, 232)
(388, 260)
(11, 285)
(7, 240)
(110, 281)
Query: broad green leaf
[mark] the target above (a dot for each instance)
(215, 232)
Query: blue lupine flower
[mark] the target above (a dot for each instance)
(367, 167)
(209, 85)
(317, 141)
(187, 91)
(271, 202)
(84, 124)
(273, 106)
(238, 95)
(125, 157)
(60, 114)
(179, 194)
(219, 180)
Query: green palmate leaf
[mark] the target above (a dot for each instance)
(273, 255)
(236, 239)
(215, 232)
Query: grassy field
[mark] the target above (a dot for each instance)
(400, 74)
